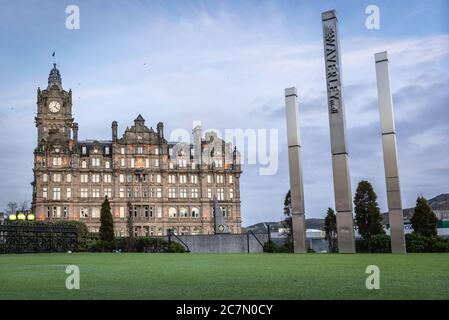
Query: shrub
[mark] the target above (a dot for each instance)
(99, 246)
(418, 243)
(379, 243)
(176, 247)
(270, 247)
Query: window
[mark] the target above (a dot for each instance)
(156, 162)
(122, 212)
(44, 193)
(172, 212)
(106, 150)
(158, 178)
(57, 177)
(158, 192)
(129, 192)
(220, 194)
(194, 178)
(139, 150)
(96, 192)
(193, 166)
(122, 178)
(122, 162)
(122, 150)
(57, 161)
(122, 192)
(95, 162)
(107, 164)
(145, 191)
(84, 213)
(148, 211)
(44, 162)
(107, 178)
(171, 178)
(225, 211)
(132, 162)
(183, 193)
(183, 213)
(129, 178)
(171, 166)
(65, 212)
(194, 192)
(56, 212)
(83, 164)
(209, 178)
(219, 178)
(147, 163)
(83, 150)
(44, 177)
(172, 192)
(96, 178)
(218, 163)
(69, 177)
(95, 212)
(159, 212)
(182, 163)
(84, 178)
(182, 178)
(195, 212)
(84, 193)
(209, 193)
(48, 212)
(231, 180)
(231, 193)
(108, 192)
(56, 193)
(137, 192)
(69, 193)
(156, 151)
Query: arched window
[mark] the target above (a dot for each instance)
(183, 212)
(172, 212)
(195, 212)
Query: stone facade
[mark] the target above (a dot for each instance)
(152, 184)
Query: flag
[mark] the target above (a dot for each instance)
(54, 52)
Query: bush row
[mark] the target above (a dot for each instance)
(139, 244)
(414, 243)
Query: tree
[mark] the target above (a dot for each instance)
(367, 213)
(12, 208)
(23, 206)
(107, 224)
(424, 221)
(287, 222)
(330, 227)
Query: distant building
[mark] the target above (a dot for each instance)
(152, 184)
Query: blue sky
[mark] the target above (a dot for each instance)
(227, 63)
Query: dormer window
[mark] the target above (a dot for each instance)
(95, 150)
(57, 150)
(106, 150)
(84, 150)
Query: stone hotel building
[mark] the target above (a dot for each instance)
(152, 184)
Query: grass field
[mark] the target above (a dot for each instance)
(224, 276)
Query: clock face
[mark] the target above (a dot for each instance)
(54, 106)
(221, 227)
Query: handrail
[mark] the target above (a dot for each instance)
(171, 233)
(254, 235)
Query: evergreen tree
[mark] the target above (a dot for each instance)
(107, 224)
(424, 221)
(287, 223)
(330, 227)
(367, 213)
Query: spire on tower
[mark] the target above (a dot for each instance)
(54, 78)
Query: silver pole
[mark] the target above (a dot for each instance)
(340, 161)
(395, 215)
(294, 161)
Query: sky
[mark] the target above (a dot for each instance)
(226, 64)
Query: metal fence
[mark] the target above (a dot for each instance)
(25, 237)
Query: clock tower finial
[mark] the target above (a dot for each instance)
(54, 78)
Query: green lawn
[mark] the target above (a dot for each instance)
(224, 276)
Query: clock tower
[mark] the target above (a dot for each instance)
(54, 111)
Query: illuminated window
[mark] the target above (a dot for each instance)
(84, 193)
(57, 177)
(172, 212)
(172, 192)
(83, 164)
(122, 193)
(220, 194)
(194, 192)
(69, 177)
(231, 193)
(44, 177)
(182, 178)
(183, 192)
(107, 164)
(44, 193)
(84, 213)
(194, 178)
(84, 178)
(158, 192)
(56, 193)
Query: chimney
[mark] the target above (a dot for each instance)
(160, 130)
(114, 131)
(75, 132)
(197, 143)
